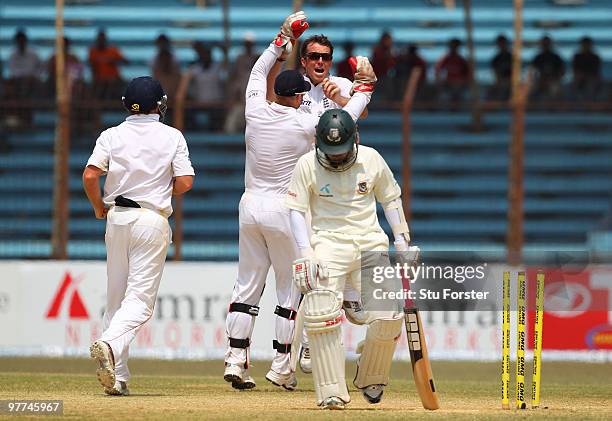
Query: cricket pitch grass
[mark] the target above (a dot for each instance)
(176, 390)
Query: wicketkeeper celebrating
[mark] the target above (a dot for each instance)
(340, 187)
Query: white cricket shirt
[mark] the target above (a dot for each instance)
(276, 135)
(343, 202)
(140, 158)
(315, 102)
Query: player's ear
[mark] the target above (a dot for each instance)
(303, 62)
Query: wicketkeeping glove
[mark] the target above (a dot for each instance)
(365, 78)
(291, 29)
(307, 272)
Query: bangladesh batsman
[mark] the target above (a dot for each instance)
(339, 183)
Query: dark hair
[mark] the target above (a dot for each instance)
(20, 34)
(316, 39)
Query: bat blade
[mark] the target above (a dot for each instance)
(421, 368)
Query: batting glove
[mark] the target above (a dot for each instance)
(365, 78)
(291, 29)
(307, 273)
(407, 255)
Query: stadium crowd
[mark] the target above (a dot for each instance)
(217, 88)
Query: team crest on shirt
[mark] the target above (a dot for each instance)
(334, 135)
(362, 187)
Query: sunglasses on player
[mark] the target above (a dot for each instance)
(316, 56)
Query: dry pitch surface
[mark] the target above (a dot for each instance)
(195, 390)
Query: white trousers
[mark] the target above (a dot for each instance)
(265, 240)
(136, 246)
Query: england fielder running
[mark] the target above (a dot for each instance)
(145, 163)
(276, 136)
(339, 183)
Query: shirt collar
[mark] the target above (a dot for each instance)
(307, 79)
(313, 86)
(281, 108)
(143, 117)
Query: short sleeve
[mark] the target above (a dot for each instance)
(101, 153)
(181, 164)
(386, 187)
(116, 53)
(298, 195)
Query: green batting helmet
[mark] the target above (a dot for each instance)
(336, 136)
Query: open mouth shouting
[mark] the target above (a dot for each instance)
(317, 62)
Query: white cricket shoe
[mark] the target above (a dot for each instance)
(102, 353)
(305, 361)
(373, 393)
(354, 312)
(287, 381)
(333, 403)
(120, 389)
(238, 377)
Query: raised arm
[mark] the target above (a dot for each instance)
(362, 89)
(293, 26)
(257, 86)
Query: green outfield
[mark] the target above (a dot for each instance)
(195, 390)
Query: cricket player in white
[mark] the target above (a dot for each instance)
(276, 136)
(145, 163)
(316, 55)
(326, 92)
(339, 183)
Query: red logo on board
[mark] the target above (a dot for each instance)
(77, 309)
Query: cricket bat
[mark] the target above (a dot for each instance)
(421, 368)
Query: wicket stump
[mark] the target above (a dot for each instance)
(521, 340)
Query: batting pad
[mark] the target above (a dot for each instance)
(377, 352)
(322, 319)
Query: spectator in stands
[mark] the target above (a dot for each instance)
(74, 71)
(238, 79)
(23, 63)
(165, 68)
(408, 60)
(24, 71)
(383, 61)
(204, 81)
(105, 60)
(453, 73)
(586, 66)
(343, 68)
(501, 64)
(550, 69)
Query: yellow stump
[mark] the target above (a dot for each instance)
(537, 341)
(505, 375)
(520, 343)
